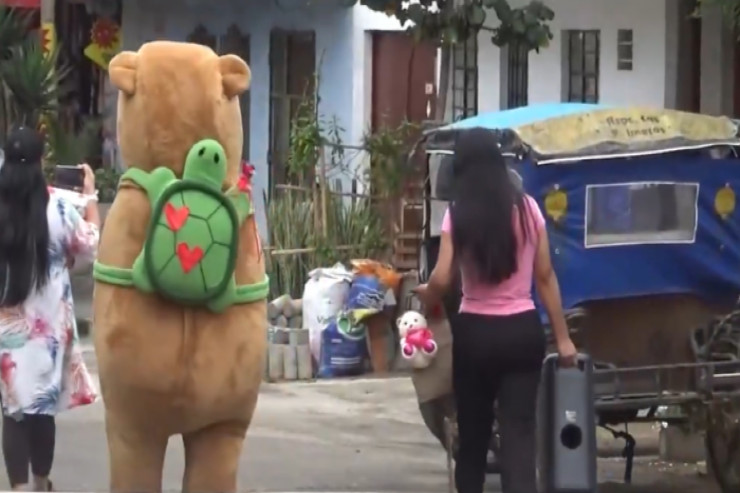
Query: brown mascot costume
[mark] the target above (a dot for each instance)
(179, 305)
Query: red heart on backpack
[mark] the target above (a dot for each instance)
(189, 257)
(176, 216)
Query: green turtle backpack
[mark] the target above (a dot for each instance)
(191, 246)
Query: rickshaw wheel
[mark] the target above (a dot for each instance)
(723, 444)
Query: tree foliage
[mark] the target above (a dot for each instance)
(730, 10)
(450, 21)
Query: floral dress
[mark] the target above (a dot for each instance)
(41, 365)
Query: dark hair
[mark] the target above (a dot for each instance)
(24, 227)
(482, 207)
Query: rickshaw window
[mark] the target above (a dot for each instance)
(640, 213)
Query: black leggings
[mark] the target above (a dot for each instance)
(28, 441)
(497, 359)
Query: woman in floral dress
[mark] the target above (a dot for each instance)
(41, 367)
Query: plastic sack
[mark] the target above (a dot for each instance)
(387, 275)
(324, 296)
(343, 348)
(366, 297)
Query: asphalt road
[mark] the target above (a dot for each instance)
(358, 436)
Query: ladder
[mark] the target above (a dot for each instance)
(407, 236)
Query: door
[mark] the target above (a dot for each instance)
(403, 88)
(403, 81)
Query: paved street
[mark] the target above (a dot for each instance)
(357, 436)
(361, 435)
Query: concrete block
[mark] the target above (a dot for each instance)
(275, 365)
(290, 363)
(298, 337)
(304, 361)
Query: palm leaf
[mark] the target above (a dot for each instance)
(33, 79)
(13, 29)
(67, 147)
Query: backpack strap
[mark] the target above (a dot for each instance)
(118, 276)
(150, 182)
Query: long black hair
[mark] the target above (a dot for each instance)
(24, 227)
(484, 198)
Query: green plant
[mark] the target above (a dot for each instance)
(309, 132)
(69, 147)
(730, 10)
(305, 136)
(13, 29)
(388, 148)
(106, 180)
(452, 21)
(33, 81)
(291, 226)
(350, 223)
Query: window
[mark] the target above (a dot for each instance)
(582, 62)
(517, 83)
(639, 213)
(465, 79)
(624, 49)
(233, 41)
(292, 71)
(201, 36)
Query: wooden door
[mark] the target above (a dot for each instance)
(403, 88)
(403, 81)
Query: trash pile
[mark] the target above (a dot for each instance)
(327, 330)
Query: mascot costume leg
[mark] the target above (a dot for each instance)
(179, 304)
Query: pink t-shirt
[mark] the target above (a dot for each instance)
(513, 295)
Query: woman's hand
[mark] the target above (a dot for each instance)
(568, 353)
(424, 294)
(88, 187)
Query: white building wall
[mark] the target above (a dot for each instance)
(644, 85)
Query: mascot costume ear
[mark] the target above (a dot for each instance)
(122, 71)
(180, 284)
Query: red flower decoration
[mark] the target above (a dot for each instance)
(245, 180)
(104, 33)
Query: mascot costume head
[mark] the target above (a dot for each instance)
(179, 304)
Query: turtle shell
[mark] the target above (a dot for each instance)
(192, 243)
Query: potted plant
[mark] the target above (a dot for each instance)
(12, 32)
(30, 80)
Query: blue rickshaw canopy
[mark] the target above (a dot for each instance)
(638, 201)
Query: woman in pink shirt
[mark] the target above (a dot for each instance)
(495, 234)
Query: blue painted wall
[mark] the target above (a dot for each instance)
(339, 51)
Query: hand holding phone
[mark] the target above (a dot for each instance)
(69, 177)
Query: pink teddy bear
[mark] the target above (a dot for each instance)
(417, 341)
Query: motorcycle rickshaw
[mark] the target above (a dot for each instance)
(641, 212)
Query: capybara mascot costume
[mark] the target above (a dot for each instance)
(180, 284)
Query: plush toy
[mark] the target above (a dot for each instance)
(417, 341)
(180, 286)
